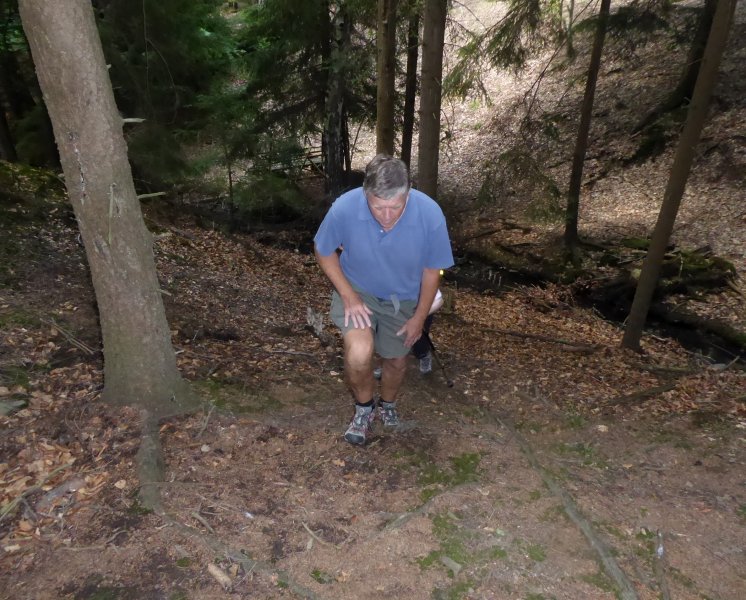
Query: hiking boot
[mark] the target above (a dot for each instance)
(426, 364)
(387, 413)
(361, 425)
(377, 373)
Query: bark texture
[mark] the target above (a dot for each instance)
(431, 81)
(386, 69)
(581, 144)
(139, 361)
(680, 170)
(410, 87)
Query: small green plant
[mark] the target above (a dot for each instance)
(322, 576)
(536, 552)
(741, 512)
(463, 468)
(599, 580)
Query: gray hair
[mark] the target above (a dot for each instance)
(386, 177)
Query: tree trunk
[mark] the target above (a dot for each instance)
(682, 163)
(410, 90)
(433, 36)
(139, 361)
(7, 149)
(581, 145)
(685, 88)
(386, 70)
(334, 127)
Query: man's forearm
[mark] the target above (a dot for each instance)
(428, 289)
(332, 269)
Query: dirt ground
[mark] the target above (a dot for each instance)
(473, 498)
(557, 467)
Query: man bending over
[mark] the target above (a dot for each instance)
(393, 242)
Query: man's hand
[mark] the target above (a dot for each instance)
(412, 330)
(356, 311)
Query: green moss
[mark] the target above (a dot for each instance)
(18, 318)
(455, 592)
(138, 509)
(536, 552)
(463, 468)
(554, 514)
(587, 453)
(184, 563)
(233, 397)
(600, 580)
(575, 421)
(322, 576)
(534, 495)
(741, 512)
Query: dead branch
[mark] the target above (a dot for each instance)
(679, 371)
(202, 520)
(643, 394)
(69, 336)
(248, 564)
(573, 346)
(319, 540)
(11, 506)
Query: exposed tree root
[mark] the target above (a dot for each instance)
(150, 466)
(610, 566)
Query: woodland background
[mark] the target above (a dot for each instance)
(172, 392)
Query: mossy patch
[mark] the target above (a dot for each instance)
(463, 468)
(600, 580)
(587, 453)
(536, 553)
(460, 545)
(322, 576)
(236, 398)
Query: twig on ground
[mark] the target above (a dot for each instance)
(318, 539)
(248, 564)
(573, 346)
(642, 394)
(207, 420)
(202, 520)
(11, 506)
(69, 336)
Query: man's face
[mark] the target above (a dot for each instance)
(387, 212)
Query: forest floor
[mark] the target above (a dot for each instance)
(550, 430)
(557, 466)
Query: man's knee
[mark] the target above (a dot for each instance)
(397, 364)
(358, 349)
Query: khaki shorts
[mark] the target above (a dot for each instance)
(385, 321)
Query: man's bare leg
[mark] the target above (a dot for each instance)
(358, 346)
(392, 377)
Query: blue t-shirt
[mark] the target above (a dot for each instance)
(386, 263)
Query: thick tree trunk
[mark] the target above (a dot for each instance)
(679, 173)
(7, 149)
(386, 70)
(410, 89)
(685, 88)
(139, 361)
(581, 145)
(433, 36)
(334, 127)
